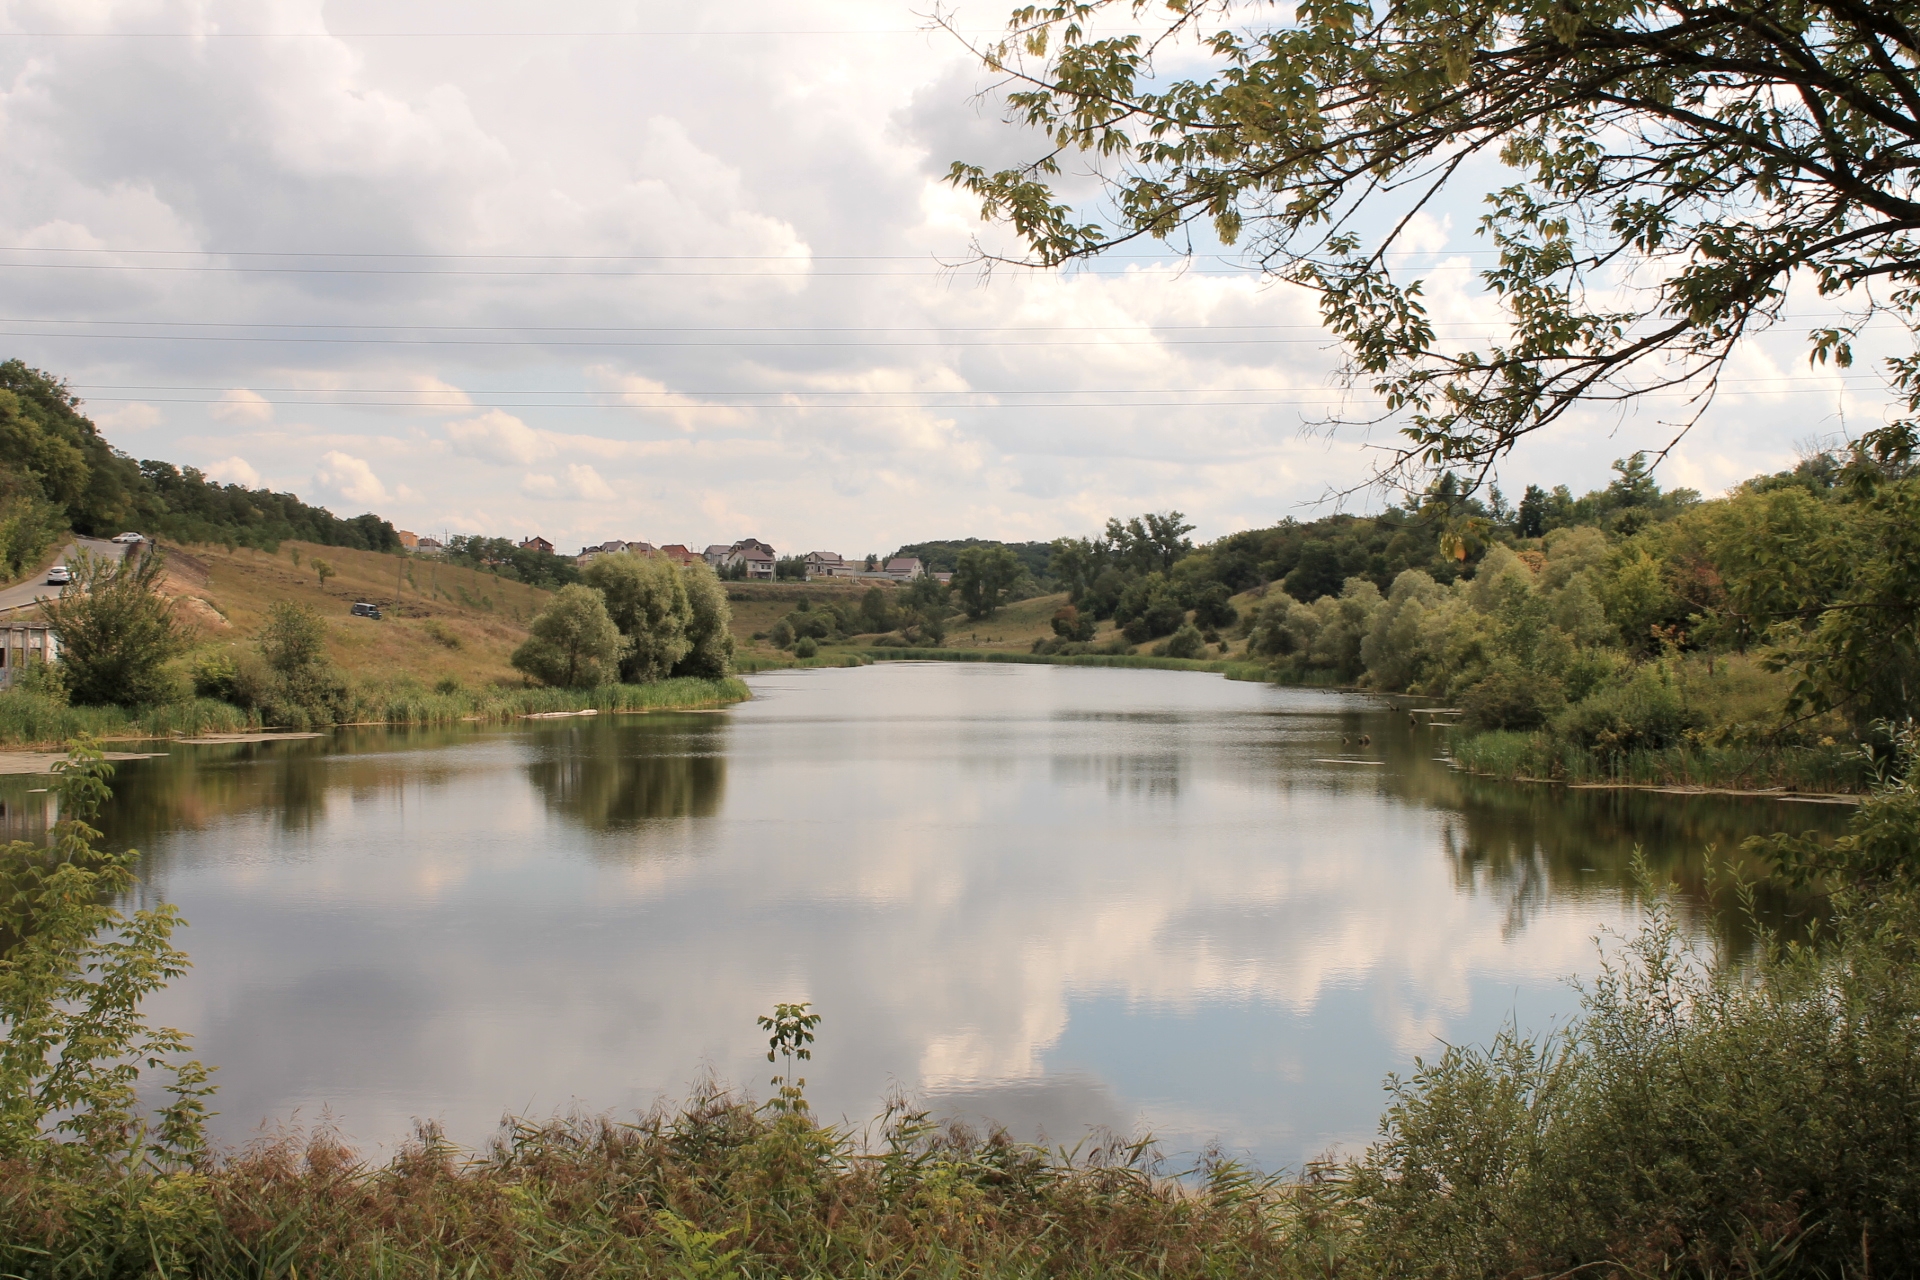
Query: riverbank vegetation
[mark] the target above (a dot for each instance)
(176, 643)
(1738, 1113)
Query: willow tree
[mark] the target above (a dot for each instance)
(1665, 171)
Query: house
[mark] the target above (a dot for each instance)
(826, 564)
(716, 554)
(756, 557)
(537, 543)
(430, 547)
(642, 548)
(945, 579)
(409, 540)
(24, 642)
(904, 568)
(679, 555)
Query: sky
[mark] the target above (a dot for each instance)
(640, 270)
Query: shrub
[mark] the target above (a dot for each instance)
(805, 647)
(117, 632)
(1646, 713)
(1511, 700)
(1187, 642)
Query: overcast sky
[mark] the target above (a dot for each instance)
(654, 270)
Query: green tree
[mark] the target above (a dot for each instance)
(323, 571)
(1722, 151)
(982, 578)
(647, 600)
(300, 686)
(709, 626)
(572, 643)
(116, 631)
(74, 971)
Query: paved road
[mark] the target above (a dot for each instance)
(26, 592)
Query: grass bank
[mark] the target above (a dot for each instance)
(31, 720)
(1540, 757)
(1231, 669)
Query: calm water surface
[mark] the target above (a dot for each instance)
(1057, 897)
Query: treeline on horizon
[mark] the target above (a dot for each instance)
(57, 472)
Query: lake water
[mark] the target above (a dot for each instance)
(1060, 898)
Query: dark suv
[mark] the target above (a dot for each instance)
(365, 610)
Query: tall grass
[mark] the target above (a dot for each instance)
(1542, 757)
(30, 719)
(33, 720)
(715, 1188)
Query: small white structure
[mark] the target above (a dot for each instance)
(904, 568)
(24, 642)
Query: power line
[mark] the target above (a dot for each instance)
(473, 272)
(628, 257)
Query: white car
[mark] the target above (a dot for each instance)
(59, 576)
(131, 538)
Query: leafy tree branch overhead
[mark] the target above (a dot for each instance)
(1669, 170)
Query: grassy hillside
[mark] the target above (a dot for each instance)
(441, 622)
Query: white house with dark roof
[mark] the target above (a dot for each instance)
(904, 568)
(755, 556)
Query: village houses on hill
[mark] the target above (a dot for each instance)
(748, 558)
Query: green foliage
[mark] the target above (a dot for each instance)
(1070, 624)
(709, 628)
(73, 973)
(573, 643)
(805, 647)
(1703, 1116)
(792, 1026)
(116, 631)
(982, 579)
(510, 560)
(1187, 642)
(287, 679)
(647, 600)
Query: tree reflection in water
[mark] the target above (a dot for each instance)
(608, 774)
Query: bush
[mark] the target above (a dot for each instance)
(1187, 642)
(1646, 713)
(1511, 700)
(805, 647)
(117, 632)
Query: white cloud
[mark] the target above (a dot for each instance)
(499, 437)
(242, 407)
(581, 484)
(349, 477)
(236, 470)
(718, 276)
(126, 417)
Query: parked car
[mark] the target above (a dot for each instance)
(59, 576)
(365, 610)
(131, 538)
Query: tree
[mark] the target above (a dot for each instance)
(292, 637)
(323, 571)
(981, 578)
(709, 626)
(572, 643)
(116, 630)
(1714, 154)
(647, 599)
(301, 686)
